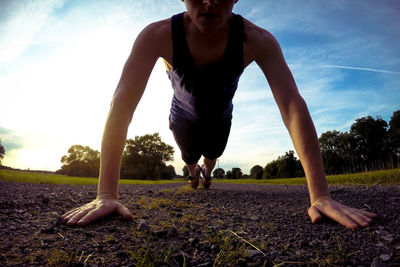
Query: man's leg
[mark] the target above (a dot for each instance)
(209, 165)
(194, 174)
(192, 169)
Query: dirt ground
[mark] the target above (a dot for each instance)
(228, 225)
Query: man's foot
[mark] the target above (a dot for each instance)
(194, 181)
(206, 179)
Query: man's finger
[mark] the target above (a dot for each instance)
(77, 217)
(338, 215)
(72, 214)
(359, 218)
(65, 215)
(125, 212)
(93, 215)
(314, 214)
(367, 213)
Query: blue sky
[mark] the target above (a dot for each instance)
(60, 61)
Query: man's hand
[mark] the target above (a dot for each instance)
(346, 216)
(94, 210)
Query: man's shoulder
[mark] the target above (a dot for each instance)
(159, 29)
(255, 34)
(259, 44)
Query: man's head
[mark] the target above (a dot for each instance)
(209, 15)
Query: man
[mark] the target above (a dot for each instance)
(205, 50)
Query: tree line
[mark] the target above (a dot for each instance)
(144, 157)
(370, 144)
(2, 152)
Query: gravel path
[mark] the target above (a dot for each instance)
(229, 225)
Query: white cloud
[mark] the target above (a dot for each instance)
(24, 20)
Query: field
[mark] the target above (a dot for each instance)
(384, 177)
(260, 224)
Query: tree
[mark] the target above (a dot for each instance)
(165, 172)
(219, 173)
(286, 166)
(271, 170)
(236, 173)
(2, 152)
(229, 175)
(336, 150)
(81, 161)
(394, 137)
(256, 172)
(185, 172)
(143, 155)
(371, 146)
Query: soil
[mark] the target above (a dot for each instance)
(228, 225)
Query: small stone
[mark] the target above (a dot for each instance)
(385, 257)
(251, 253)
(385, 235)
(143, 226)
(377, 263)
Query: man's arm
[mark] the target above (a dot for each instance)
(135, 74)
(297, 120)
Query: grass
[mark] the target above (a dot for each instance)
(45, 178)
(384, 177)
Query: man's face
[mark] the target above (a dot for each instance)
(209, 15)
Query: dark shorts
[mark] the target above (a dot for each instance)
(196, 140)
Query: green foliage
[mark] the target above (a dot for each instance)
(2, 152)
(286, 166)
(143, 155)
(185, 172)
(60, 257)
(384, 177)
(236, 173)
(256, 172)
(45, 178)
(149, 255)
(370, 136)
(230, 249)
(219, 173)
(394, 136)
(369, 145)
(165, 172)
(81, 161)
(336, 149)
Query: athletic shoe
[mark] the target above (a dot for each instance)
(194, 181)
(206, 179)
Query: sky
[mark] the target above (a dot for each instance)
(60, 62)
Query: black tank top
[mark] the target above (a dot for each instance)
(205, 93)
